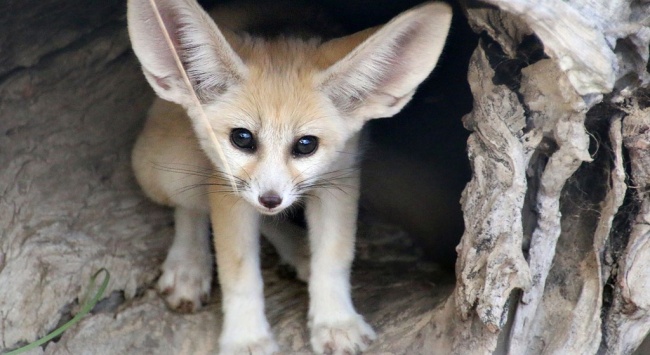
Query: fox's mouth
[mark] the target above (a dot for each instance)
(270, 211)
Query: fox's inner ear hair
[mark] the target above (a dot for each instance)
(210, 62)
(380, 69)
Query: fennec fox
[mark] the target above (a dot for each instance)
(287, 114)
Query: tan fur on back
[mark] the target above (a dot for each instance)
(167, 146)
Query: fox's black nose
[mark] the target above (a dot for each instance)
(270, 200)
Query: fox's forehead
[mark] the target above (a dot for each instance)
(278, 100)
(282, 54)
(286, 106)
(280, 88)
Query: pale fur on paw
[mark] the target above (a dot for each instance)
(265, 346)
(185, 284)
(342, 338)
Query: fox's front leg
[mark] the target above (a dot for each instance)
(187, 271)
(336, 328)
(245, 329)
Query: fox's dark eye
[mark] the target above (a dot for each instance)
(304, 146)
(242, 139)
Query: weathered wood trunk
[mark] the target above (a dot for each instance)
(558, 202)
(555, 257)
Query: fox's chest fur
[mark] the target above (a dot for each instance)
(247, 127)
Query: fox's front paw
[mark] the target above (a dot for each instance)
(264, 346)
(342, 338)
(185, 283)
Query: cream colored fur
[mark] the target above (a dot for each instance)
(280, 90)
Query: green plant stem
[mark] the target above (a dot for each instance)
(88, 306)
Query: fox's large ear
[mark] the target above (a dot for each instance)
(209, 60)
(380, 68)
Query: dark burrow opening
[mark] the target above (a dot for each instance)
(415, 164)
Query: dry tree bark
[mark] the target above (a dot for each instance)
(552, 134)
(628, 320)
